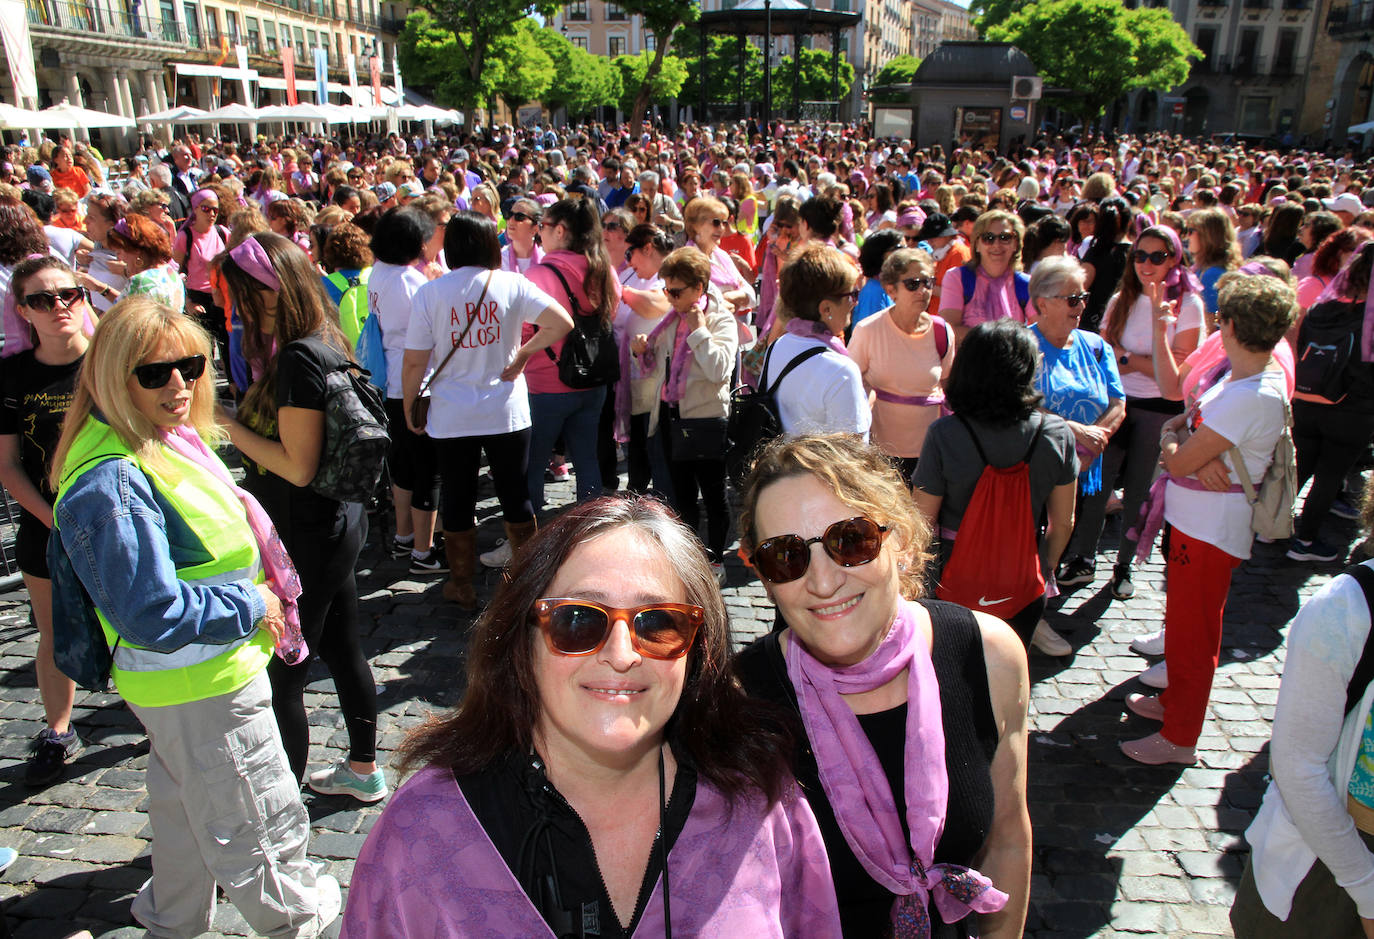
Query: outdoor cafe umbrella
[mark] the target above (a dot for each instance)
(1364, 128)
(181, 114)
(67, 115)
(18, 118)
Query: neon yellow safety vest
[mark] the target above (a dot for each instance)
(214, 514)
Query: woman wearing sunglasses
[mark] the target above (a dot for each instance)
(1079, 380)
(825, 392)
(522, 248)
(38, 387)
(1156, 284)
(615, 228)
(146, 251)
(197, 243)
(911, 740)
(707, 220)
(192, 591)
(291, 335)
(904, 354)
(991, 285)
(603, 773)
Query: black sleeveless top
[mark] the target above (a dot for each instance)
(970, 743)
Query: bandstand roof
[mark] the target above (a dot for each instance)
(788, 17)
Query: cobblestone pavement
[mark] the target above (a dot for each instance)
(1120, 849)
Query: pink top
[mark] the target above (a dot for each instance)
(1209, 355)
(201, 251)
(428, 869)
(541, 374)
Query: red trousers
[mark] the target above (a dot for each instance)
(1199, 580)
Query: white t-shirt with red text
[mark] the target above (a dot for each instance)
(468, 398)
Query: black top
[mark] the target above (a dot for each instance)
(301, 370)
(1108, 266)
(34, 399)
(970, 744)
(546, 845)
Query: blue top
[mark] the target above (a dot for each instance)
(114, 531)
(872, 299)
(1078, 381)
(617, 196)
(1209, 278)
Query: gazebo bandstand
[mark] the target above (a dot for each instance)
(765, 18)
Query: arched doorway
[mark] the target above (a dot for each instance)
(1356, 94)
(1195, 103)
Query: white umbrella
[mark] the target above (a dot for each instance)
(181, 114)
(428, 112)
(233, 114)
(67, 115)
(13, 117)
(299, 112)
(1364, 128)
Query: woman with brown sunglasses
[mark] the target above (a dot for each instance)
(603, 767)
(900, 705)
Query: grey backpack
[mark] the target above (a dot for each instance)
(355, 436)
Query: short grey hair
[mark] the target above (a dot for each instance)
(648, 181)
(160, 175)
(1052, 273)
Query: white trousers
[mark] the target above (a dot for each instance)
(224, 808)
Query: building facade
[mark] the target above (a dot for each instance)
(937, 21)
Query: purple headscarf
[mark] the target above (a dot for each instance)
(251, 257)
(1179, 280)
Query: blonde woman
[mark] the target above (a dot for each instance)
(1215, 250)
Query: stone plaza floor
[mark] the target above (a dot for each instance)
(1120, 849)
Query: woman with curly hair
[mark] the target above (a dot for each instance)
(146, 251)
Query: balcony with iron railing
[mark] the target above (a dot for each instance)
(107, 18)
(1277, 67)
(1351, 19)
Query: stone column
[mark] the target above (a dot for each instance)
(74, 97)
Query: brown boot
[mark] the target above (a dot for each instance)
(459, 550)
(517, 533)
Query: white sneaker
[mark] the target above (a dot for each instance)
(1046, 640)
(1149, 644)
(328, 902)
(1156, 676)
(498, 556)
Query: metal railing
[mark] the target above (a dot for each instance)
(1253, 66)
(1350, 19)
(104, 18)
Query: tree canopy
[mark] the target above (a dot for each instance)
(582, 81)
(816, 83)
(723, 70)
(477, 26)
(634, 71)
(1128, 49)
(662, 18)
(898, 71)
(990, 13)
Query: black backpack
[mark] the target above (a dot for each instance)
(1328, 341)
(355, 436)
(754, 418)
(590, 356)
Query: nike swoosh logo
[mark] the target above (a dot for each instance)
(984, 601)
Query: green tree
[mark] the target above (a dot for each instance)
(816, 76)
(897, 71)
(477, 26)
(634, 70)
(990, 13)
(662, 18)
(581, 81)
(1129, 49)
(518, 68)
(722, 67)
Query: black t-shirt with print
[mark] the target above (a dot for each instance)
(33, 402)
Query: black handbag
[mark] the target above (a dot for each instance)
(696, 438)
(590, 356)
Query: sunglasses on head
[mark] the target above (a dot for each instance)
(1154, 257)
(1073, 299)
(990, 238)
(155, 375)
(522, 217)
(581, 627)
(47, 300)
(850, 543)
(918, 283)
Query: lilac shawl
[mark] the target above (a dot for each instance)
(428, 869)
(811, 329)
(675, 382)
(854, 781)
(281, 573)
(994, 298)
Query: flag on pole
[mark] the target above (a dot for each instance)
(288, 68)
(14, 31)
(242, 54)
(374, 65)
(321, 75)
(396, 73)
(353, 77)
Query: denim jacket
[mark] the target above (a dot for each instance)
(123, 541)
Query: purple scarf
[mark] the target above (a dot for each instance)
(1151, 519)
(813, 329)
(994, 298)
(675, 382)
(854, 781)
(281, 573)
(623, 403)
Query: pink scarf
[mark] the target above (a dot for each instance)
(990, 299)
(812, 329)
(854, 781)
(675, 383)
(281, 573)
(623, 403)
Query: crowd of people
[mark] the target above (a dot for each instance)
(971, 355)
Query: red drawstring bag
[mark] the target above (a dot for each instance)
(995, 565)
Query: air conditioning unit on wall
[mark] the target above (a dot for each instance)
(1025, 88)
